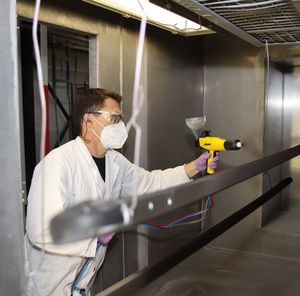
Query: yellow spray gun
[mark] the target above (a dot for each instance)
(209, 143)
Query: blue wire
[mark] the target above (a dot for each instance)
(83, 269)
(193, 215)
(209, 200)
(168, 226)
(152, 227)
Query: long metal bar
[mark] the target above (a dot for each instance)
(185, 194)
(140, 279)
(82, 220)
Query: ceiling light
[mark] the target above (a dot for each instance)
(155, 15)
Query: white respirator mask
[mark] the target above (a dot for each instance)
(112, 136)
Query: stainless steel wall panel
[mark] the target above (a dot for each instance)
(273, 123)
(233, 104)
(291, 134)
(175, 92)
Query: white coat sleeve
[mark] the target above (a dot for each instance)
(50, 193)
(152, 181)
(47, 198)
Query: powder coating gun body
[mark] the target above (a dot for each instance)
(209, 143)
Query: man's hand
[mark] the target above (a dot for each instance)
(215, 163)
(200, 164)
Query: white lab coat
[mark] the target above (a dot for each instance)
(66, 176)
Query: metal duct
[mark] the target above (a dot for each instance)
(256, 21)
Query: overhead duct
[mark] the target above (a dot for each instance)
(256, 21)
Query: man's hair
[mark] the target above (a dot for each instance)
(88, 99)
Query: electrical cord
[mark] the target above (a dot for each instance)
(81, 271)
(168, 225)
(191, 222)
(175, 223)
(269, 178)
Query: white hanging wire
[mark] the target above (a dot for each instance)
(30, 279)
(121, 58)
(121, 49)
(138, 98)
(39, 77)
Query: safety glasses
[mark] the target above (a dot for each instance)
(110, 117)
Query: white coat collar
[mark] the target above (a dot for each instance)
(112, 171)
(86, 153)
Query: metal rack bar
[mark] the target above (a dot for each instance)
(83, 220)
(140, 279)
(206, 185)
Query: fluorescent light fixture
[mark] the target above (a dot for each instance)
(155, 15)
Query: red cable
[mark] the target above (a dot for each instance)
(182, 217)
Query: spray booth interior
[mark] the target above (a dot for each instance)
(244, 78)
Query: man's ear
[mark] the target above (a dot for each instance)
(86, 117)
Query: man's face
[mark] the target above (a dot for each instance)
(109, 105)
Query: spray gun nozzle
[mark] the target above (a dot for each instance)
(196, 124)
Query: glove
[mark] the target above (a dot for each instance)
(201, 162)
(105, 238)
(214, 164)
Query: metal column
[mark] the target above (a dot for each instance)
(11, 221)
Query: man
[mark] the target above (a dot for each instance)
(83, 169)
